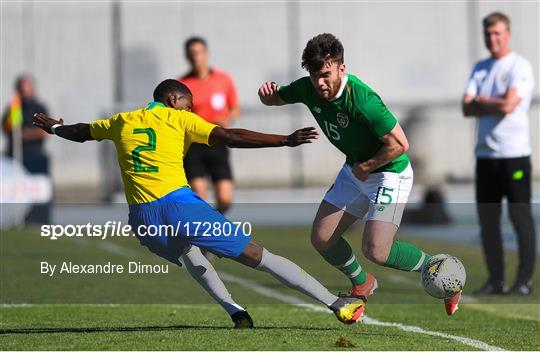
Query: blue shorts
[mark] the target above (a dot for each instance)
(181, 218)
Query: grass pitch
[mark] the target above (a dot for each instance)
(170, 312)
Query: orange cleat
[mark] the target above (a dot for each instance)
(365, 289)
(451, 304)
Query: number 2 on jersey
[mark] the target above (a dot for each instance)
(332, 131)
(151, 146)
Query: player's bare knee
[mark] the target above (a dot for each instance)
(319, 243)
(374, 254)
(251, 256)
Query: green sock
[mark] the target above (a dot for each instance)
(406, 257)
(341, 256)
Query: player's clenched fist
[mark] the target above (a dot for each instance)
(268, 89)
(268, 93)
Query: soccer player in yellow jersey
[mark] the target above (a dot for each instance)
(151, 143)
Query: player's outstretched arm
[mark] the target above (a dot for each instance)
(77, 132)
(269, 95)
(242, 138)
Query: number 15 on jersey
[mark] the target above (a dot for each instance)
(332, 131)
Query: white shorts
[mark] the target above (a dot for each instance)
(381, 197)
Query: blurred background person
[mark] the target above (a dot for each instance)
(25, 142)
(499, 94)
(25, 104)
(214, 99)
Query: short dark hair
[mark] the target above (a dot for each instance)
(170, 87)
(321, 48)
(495, 17)
(192, 40)
(21, 79)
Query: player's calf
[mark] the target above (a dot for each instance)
(378, 245)
(377, 240)
(286, 271)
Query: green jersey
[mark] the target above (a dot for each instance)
(353, 121)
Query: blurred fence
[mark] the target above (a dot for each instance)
(441, 147)
(89, 57)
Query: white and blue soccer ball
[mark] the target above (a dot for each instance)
(443, 276)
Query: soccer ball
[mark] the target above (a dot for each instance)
(443, 276)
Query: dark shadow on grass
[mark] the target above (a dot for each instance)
(344, 288)
(146, 328)
(385, 289)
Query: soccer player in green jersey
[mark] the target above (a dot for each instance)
(375, 180)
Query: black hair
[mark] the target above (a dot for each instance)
(193, 40)
(170, 87)
(21, 79)
(321, 48)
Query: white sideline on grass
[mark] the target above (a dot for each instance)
(289, 299)
(271, 293)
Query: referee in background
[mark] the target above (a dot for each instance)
(215, 100)
(499, 95)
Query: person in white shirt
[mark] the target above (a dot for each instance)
(499, 94)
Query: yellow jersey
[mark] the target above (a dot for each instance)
(151, 144)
